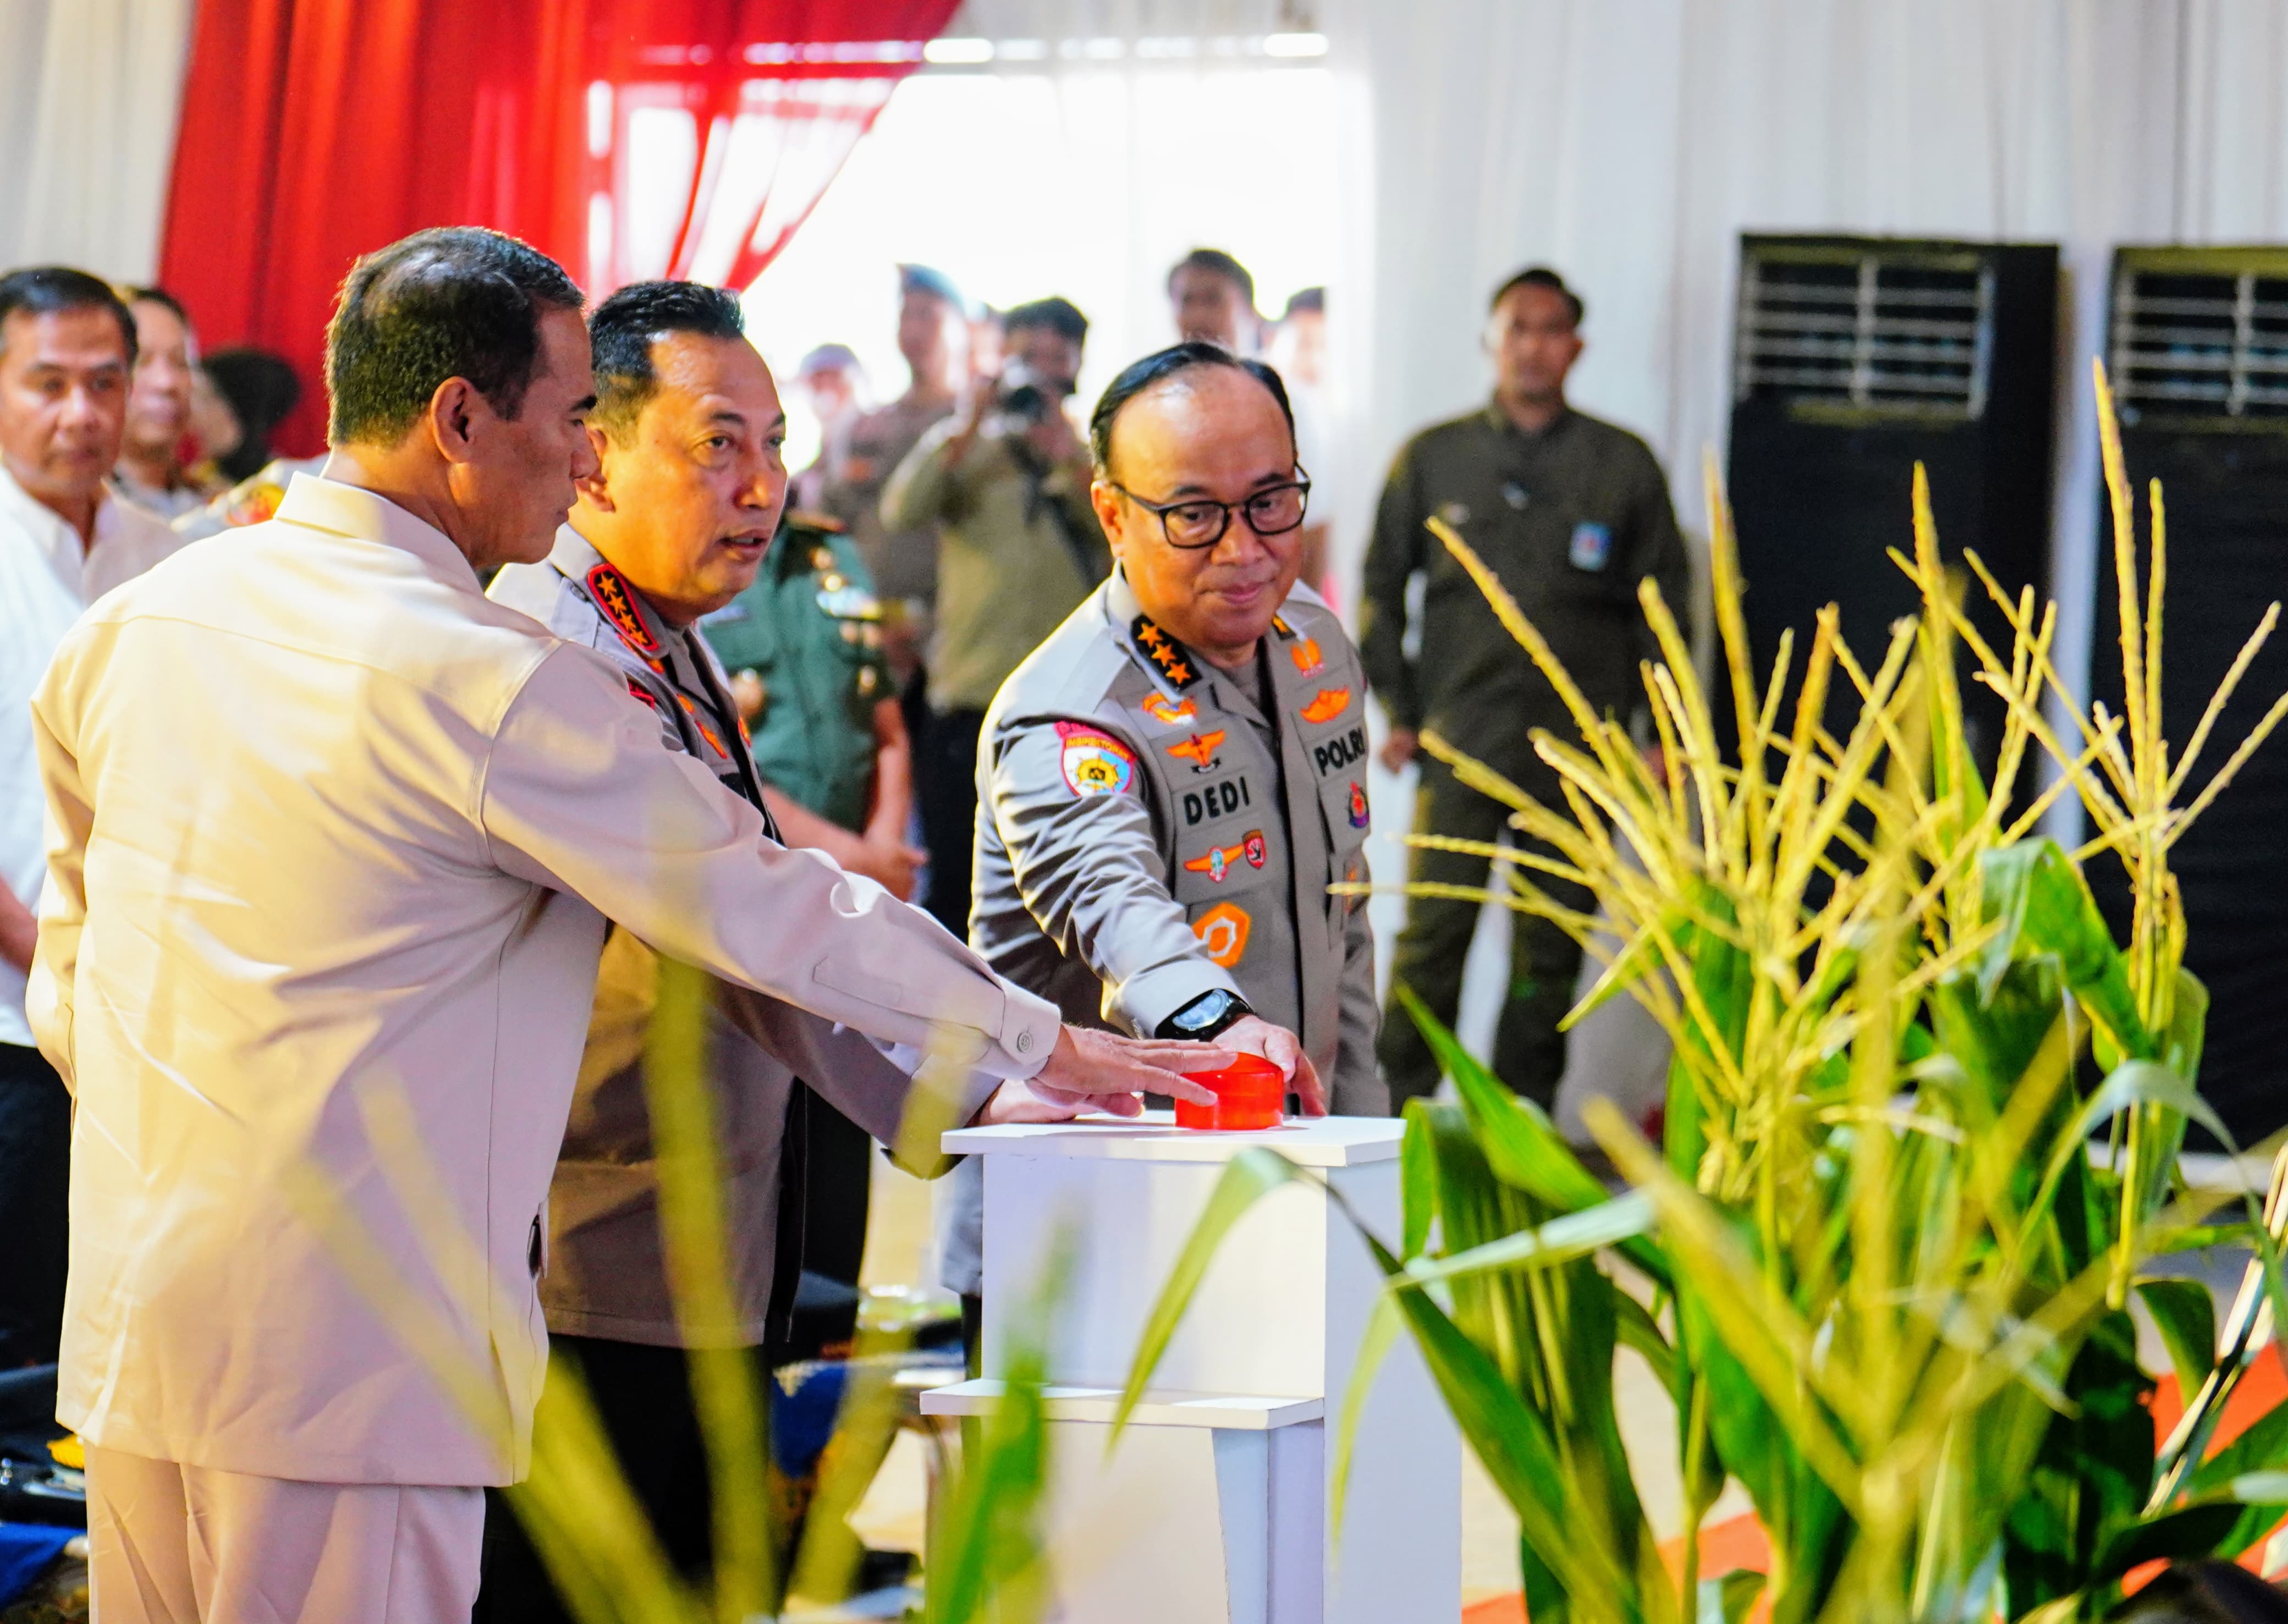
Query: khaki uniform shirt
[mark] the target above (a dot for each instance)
(1146, 834)
(608, 1275)
(334, 842)
(1570, 519)
(1020, 552)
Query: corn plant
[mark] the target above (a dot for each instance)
(1872, 1260)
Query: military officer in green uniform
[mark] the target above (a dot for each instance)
(804, 648)
(1571, 513)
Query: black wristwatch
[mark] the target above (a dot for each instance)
(1206, 1016)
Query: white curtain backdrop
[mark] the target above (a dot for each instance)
(89, 94)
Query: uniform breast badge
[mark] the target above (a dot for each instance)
(1223, 929)
(1327, 704)
(1200, 750)
(1215, 863)
(1170, 712)
(1093, 761)
(1591, 546)
(1358, 816)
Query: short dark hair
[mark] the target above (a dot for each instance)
(160, 297)
(1061, 316)
(1541, 276)
(1305, 301)
(1157, 367)
(49, 289)
(623, 329)
(1220, 264)
(456, 301)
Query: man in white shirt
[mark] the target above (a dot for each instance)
(66, 351)
(150, 472)
(336, 840)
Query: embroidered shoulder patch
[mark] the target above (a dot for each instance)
(611, 592)
(1327, 704)
(1093, 761)
(1163, 651)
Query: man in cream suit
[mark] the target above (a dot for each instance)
(334, 842)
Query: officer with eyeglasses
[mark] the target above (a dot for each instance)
(1172, 782)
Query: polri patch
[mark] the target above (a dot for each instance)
(1591, 546)
(1162, 650)
(1093, 761)
(613, 596)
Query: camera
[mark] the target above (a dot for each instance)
(1029, 396)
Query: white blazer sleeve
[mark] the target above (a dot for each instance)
(577, 795)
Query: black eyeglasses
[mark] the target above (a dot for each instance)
(1198, 524)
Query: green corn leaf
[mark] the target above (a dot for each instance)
(1518, 1140)
(1417, 1180)
(1561, 1241)
(2195, 1530)
(1728, 1599)
(2184, 1312)
(1383, 1325)
(1247, 1178)
(2045, 906)
(1637, 1329)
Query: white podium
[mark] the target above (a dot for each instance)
(1214, 1507)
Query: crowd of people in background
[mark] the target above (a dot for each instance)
(965, 594)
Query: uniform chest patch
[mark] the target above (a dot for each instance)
(1358, 808)
(1327, 704)
(1307, 657)
(1223, 931)
(1592, 547)
(1162, 650)
(1170, 712)
(1332, 755)
(1093, 761)
(611, 591)
(1217, 860)
(1200, 750)
(1221, 799)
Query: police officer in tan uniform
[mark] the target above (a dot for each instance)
(1172, 783)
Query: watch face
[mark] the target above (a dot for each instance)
(1206, 1012)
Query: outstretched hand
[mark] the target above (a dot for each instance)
(1101, 1071)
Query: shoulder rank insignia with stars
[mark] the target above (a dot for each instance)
(1157, 646)
(613, 597)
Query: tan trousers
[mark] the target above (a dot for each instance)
(174, 1544)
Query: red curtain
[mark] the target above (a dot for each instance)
(625, 138)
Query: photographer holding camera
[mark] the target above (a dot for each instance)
(1007, 482)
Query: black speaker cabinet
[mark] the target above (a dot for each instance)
(1854, 358)
(2197, 349)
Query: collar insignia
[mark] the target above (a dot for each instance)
(1162, 650)
(614, 597)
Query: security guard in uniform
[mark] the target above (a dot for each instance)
(1570, 512)
(1172, 783)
